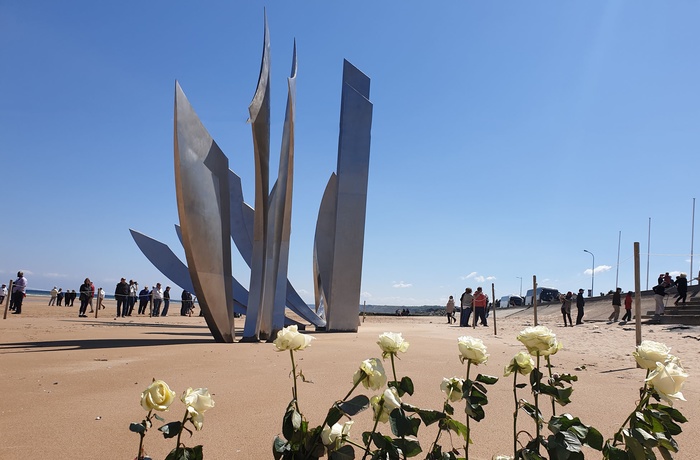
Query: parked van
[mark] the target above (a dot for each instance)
(543, 295)
(512, 300)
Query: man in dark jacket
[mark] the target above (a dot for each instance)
(682, 286)
(121, 295)
(580, 302)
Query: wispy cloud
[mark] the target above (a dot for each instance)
(401, 284)
(55, 275)
(471, 275)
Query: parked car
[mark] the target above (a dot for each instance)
(511, 300)
(543, 295)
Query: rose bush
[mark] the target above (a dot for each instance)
(384, 404)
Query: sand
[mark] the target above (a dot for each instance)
(71, 385)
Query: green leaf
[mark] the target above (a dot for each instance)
(521, 385)
(614, 453)
(406, 385)
(568, 378)
(409, 447)
(477, 396)
(635, 448)
(402, 425)
(137, 428)
(643, 436)
(531, 411)
(665, 453)
(279, 447)
(159, 418)
(673, 413)
(380, 440)
(457, 427)
(487, 379)
(594, 439)
(291, 422)
(170, 430)
(475, 411)
(353, 406)
(186, 453)
(449, 410)
(346, 452)
(428, 416)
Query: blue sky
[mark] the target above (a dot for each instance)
(507, 137)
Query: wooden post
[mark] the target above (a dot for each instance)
(7, 300)
(534, 297)
(98, 302)
(637, 296)
(493, 309)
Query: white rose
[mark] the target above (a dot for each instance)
(392, 343)
(389, 400)
(522, 363)
(472, 350)
(198, 402)
(668, 379)
(539, 341)
(452, 388)
(289, 338)
(158, 396)
(648, 353)
(334, 436)
(371, 374)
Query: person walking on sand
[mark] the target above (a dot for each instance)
(3, 293)
(682, 286)
(18, 292)
(133, 296)
(480, 302)
(465, 307)
(144, 297)
(157, 299)
(166, 301)
(54, 295)
(59, 297)
(628, 308)
(121, 295)
(616, 303)
(580, 302)
(659, 294)
(566, 307)
(450, 310)
(85, 297)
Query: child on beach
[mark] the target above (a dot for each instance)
(628, 308)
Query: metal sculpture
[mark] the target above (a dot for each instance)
(340, 229)
(201, 183)
(212, 208)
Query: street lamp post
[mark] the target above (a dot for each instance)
(592, 269)
(521, 285)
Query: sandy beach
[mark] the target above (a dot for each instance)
(72, 385)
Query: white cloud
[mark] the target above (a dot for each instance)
(401, 284)
(598, 269)
(55, 275)
(471, 275)
(479, 278)
(490, 278)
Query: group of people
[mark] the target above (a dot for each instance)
(665, 282)
(156, 300)
(566, 301)
(58, 296)
(477, 302)
(617, 304)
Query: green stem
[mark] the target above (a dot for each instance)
(642, 402)
(515, 416)
(374, 428)
(549, 368)
(437, 437)
(325, 421)
(537, 404)
(179, 433)
(143, 435)
(468, 399)
(393, 368)
(294, 374)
